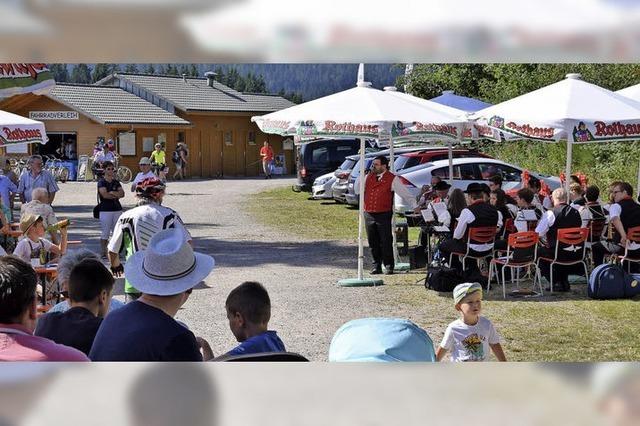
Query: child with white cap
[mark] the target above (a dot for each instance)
(470, 337)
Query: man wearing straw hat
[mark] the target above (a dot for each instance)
(145, 330)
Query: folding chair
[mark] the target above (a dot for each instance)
(568, 240)
(596, 229)
(508, 228)
(633, 236)
(522, 249)
(477, 235)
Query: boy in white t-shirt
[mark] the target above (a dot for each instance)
(29, 248)
(470, 337)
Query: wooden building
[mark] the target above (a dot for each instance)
(222, 141)
(139, 110)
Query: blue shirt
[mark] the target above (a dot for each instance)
(28, 183)
(6, 186)
(139, 332)
(265, 342)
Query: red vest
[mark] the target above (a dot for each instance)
(378, 196)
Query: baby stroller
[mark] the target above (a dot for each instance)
(381, 340)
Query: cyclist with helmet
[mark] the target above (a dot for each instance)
(135, 227)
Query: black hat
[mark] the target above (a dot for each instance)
(477, 187)
(441, 186)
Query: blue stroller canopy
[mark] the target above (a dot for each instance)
(381, 340)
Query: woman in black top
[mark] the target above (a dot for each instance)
(498, 199)
(457, 202)
(109, 192)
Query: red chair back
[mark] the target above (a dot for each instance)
(596, 228)
(523, 240)
(509, 227)
(522, 246)
(573, 236)
(571, 244)
(482, 234)
(633, 234)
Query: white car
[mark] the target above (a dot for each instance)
(321, 189)
(465, 171)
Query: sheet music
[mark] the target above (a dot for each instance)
(440, 209)
(427, 215)
(528, 215)
(441, 229)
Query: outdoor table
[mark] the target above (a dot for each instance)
(49, 271)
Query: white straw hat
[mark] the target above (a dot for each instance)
(168, 266)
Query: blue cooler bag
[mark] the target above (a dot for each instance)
(609, 281)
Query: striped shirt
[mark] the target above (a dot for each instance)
(28, 183)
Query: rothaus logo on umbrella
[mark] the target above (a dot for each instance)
(22, 70)
(19, 135)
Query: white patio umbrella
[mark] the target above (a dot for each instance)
(633, 92)
(17, 79)
(361, 112)
(571, 110)
(15, 129)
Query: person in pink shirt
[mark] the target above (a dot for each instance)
(18, 318)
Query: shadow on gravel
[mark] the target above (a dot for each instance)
(304, 254)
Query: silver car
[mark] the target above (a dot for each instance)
(465, 171)
(321, 189)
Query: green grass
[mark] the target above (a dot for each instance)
(553, 328)
(294, 213)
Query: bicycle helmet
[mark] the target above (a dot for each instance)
(150, 186)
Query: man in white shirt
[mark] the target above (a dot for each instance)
(379, 187)
(624, 214)
(479, 213)
(137, 226)
(145, 172)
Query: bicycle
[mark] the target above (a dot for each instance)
(123, 173)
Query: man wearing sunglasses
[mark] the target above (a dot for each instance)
(624, 214)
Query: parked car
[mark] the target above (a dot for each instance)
(321, 189)
(340, 185)
(465, 171)
(428, 155)
(319, 157)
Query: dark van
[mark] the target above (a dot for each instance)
(320, 157)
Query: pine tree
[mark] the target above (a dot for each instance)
(81, 74)
(131, 68)
(161, 69)
(193, 71)
(149, 69)
(171, 69)
(60, 73)
(100, 71)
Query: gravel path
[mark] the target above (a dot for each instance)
(300, 274)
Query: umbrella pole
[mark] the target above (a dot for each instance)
(398, 266)
(396, 256)
(361, 281)
(567, 171)
(361, 213)
(638, 184)
(450, 152)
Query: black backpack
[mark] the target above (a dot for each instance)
(442, 278)
(175, 156)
